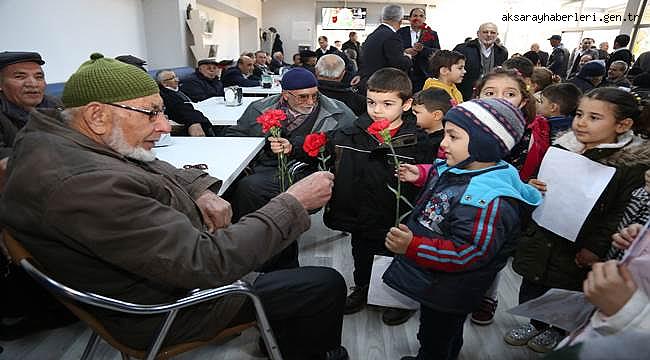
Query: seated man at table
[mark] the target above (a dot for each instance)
(204, 82)
(260, 67)
(307, 112)
(330, 70)
(240, 73)
(105, 216)
(178, 106)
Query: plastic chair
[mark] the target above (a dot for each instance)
(71, 298)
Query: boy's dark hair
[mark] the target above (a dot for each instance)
(521, 64)
(391, 80)
(622, 39)
(565, 95)
(542, 77)
(444, 58)
(625, 106)
(433, 99)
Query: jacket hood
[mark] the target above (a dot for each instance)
(629, 149)
(501, 179)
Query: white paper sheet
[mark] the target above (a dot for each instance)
(383, 295)
(574, 184)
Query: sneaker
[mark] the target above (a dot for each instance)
(485, 313)
(340, 353)
(546, 341)
(356, 300)
(394, 316)
(521, 335)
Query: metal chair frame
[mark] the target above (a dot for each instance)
(171, 309)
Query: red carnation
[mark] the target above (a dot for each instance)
(379, 129)
(314, 143)
(426, 34)
(270, 119)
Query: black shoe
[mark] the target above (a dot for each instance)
(339, 353)
(409, 358)
(34, 323)
(394, 316)
(356, 300)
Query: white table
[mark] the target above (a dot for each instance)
(226, 157)
(218, 113)
(260, 91)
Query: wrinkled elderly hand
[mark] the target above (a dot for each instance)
(398, 239)
(195, 130)
(624, 238)
(216, 211)
(609, 287)
(314, 191)
(280, 145)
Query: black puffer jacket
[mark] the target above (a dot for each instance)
(362, 201)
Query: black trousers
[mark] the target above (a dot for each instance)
(440, 334)
(364, 249)
(305, 308)
(249, 194)
(529, 291)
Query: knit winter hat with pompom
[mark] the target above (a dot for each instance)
(106, 80)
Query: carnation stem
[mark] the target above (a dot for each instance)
(398, 195)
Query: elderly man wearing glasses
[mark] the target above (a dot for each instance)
(178, 107)
(307, 112)
(87, 197)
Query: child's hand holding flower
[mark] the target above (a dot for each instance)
(408, 173)
(398, 239)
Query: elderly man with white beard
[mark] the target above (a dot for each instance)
(87, 197)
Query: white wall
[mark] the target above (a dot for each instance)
(66, 32)
(225, 32)
(282, 15)
(249, 13)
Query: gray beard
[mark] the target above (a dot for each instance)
(116, 142)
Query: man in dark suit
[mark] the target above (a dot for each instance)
(559, 60)
(383, 47)
(353, 44)
(240, 74)
(421, 43)
(620, 51)
(481, 56)
(178, 106)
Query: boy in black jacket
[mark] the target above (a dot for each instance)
(362, 203)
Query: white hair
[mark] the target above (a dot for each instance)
(392, 12)
(330, 66)
(115, 141)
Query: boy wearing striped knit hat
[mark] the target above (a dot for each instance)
(464, 225)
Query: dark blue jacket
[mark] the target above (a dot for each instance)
(199, 87)
(472, 52)
(234, 76)
(465, 225)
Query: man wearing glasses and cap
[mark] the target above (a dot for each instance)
(307, 112)
(204, 83)
(105, 216)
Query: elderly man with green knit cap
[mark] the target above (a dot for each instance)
(87, 197)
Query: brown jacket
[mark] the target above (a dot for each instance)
(100, 222)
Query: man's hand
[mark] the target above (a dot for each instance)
(216, 211)
(538, 184)
(585, 258)
(355, 80)
(609, 287)
(398, 239)
(280, 145)
(314, 191)
(410, 51)
(624, 238)
(408, 173)
(195, 130)
(418, 46)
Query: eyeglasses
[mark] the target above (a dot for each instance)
(304, 97)
(197, 166)
(171, 78)
(152, 113)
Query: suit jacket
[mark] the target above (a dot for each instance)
(575, 60)
(623, 55)
(382, 48)
(472, 52)
(233, 76)
(419, 72)
(178, 108)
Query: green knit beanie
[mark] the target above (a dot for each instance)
(106, 80)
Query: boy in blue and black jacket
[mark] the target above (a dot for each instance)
(464, 224)
(362, 204)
